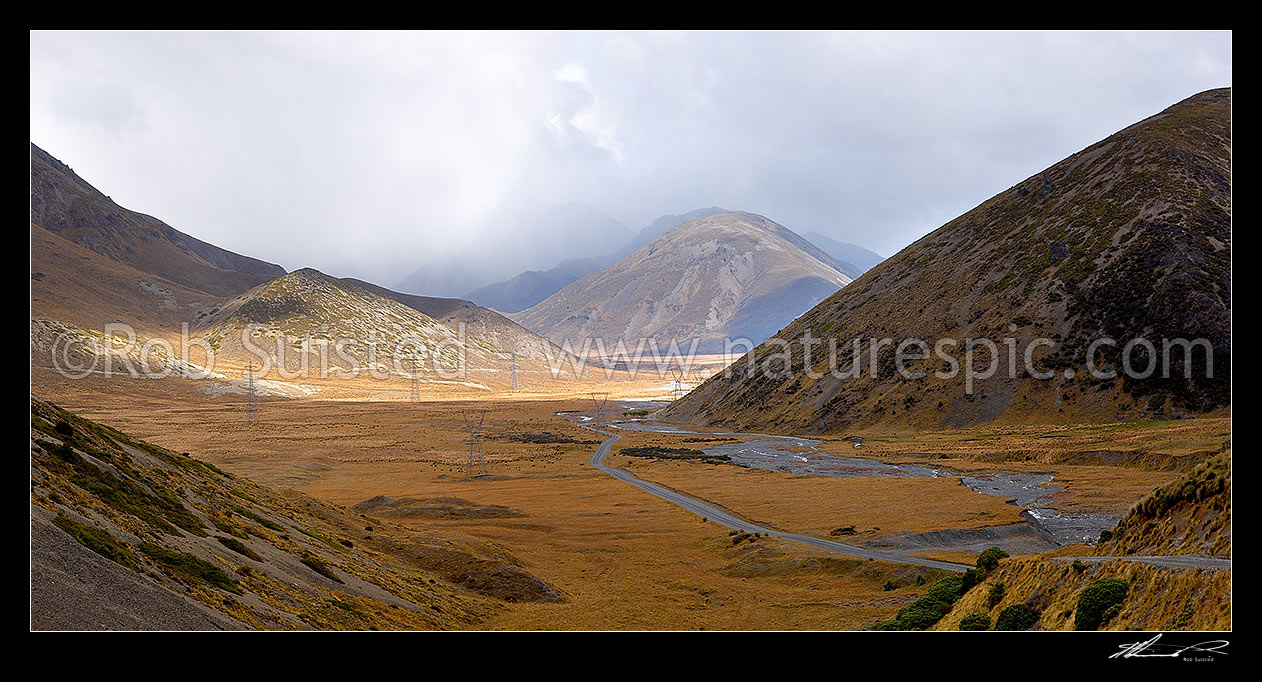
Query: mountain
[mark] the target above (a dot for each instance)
(531, 287)
(854, 255)
(528, 235)
(66, 205)
(735, 275)
(659, 227)
(1129, 238)
(126, 535)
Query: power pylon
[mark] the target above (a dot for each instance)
(473, 421)
(678, 390)
(516, 387)
(416, 382)
(599, 400)
(251, 400)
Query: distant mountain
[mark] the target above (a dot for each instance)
(852, 254)
(723, 275)
(532, 286)
(66, 205)
(1129, 238)
(533, 236)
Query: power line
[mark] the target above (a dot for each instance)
(473, 420)
(251, 400)
(678, 388)
(516, 387)
(416, 382)
(599, 400)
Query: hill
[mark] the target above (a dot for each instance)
(486, 325)
(1190, 515)
(66, 205)
(128, 535)
(81, 287)
(736, 275)
(306, 312)
(1129, 238)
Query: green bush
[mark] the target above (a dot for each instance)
(988, 560)
(1106, 535)
(996, 595)
(929, 609)
(1017, 617)
(1099, 603)
(975, 621)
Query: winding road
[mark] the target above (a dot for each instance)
(723, 518)
(712, 513)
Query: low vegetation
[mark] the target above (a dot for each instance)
(659, 452)
(1099, 603)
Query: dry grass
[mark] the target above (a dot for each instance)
(621, 559)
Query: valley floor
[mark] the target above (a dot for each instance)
(623, 559)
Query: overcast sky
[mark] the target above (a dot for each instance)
(370, 154)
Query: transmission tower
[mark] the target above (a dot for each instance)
(599, 400)
(416, 382)
(473, 421)
(516, 387)
(251, 400)
(678, 384)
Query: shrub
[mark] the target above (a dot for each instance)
(1017, 617)
(1099, 603)
(988, 560)
(1106, 535)
(317, 564)
(238, 547)
(996, 595)
(889, 586)
(190, 569)
(1078, 566)
(98, 541)
(976, 622)
(929, 609)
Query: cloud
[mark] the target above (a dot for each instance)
(370, 154)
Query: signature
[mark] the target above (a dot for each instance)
(1152, 649)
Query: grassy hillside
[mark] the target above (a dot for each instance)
(1130, 237)
(1191, 515)
(1051, 595)
(128, 534)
